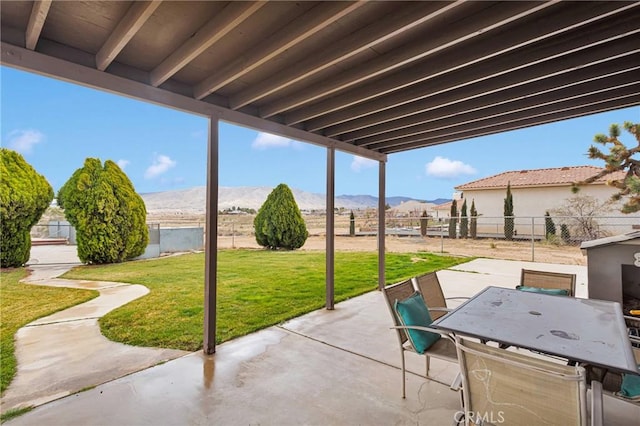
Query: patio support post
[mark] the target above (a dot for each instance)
(381, 225)
(330, 232)
(211, 240)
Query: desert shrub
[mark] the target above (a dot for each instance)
(279, 223)
(108, 214)
(24, 196)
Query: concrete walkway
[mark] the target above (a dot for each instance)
(65, 352)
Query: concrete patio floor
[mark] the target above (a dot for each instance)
(337, 367)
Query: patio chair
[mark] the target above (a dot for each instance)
(530, 278)
(429, 286)
(625, 387)
(505, 387)
(443, 347)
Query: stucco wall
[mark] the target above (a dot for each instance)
(534, 202)
(531, 201)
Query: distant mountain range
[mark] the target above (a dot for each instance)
(194, 199)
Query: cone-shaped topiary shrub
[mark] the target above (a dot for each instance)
(352, 224)
(464, 221)
(453, 219)
(279, 223)
(108, 214)
(509, 221)
(24, 197)
(473, 225)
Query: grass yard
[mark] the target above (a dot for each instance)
(21, 304)
(256, 289)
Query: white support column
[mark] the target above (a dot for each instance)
(330, 239)
(211, 240)
(381, 223)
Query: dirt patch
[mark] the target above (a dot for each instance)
(235, 231)
(495, 249)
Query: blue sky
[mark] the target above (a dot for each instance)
(56, 125)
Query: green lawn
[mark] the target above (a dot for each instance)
(21, 304)
(256, 289)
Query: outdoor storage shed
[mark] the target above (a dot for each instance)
(614, 269)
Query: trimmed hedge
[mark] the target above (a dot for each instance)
(108, 214)
(24, 196)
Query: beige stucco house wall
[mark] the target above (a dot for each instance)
(535, 192)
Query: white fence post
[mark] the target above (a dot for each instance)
(533, 250)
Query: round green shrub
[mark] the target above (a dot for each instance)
(108, 214)
(24, 197)
(279, 223)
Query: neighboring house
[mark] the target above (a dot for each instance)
(442, 211)
(538, 191)
(411, 208)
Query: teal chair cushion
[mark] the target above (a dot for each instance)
(630, 387)
(413, 311)
(551, 291)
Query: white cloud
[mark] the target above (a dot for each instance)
(23, 141)
(122, 163)
(161, 164)
(442, 167)
(360, 163)
(267, 140)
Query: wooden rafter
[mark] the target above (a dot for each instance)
(366, 38)
(38, 15)
(230, 17)
(135, 18)
(310, 23)
(427, 83)
(397, 59)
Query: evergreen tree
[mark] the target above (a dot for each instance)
(564, 233)
(549, 226)
(473, 228)
(464, 221)
(509, 220)
(424, 219)
(453, 219)
(352, 224)
(279, 222)
(108, 214)
(24, 197)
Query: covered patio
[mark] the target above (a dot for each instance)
(326, 367)
(366, 78)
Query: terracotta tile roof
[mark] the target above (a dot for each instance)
(444, 206)
(539, 177)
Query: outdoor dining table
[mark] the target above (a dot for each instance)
(580, 330)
